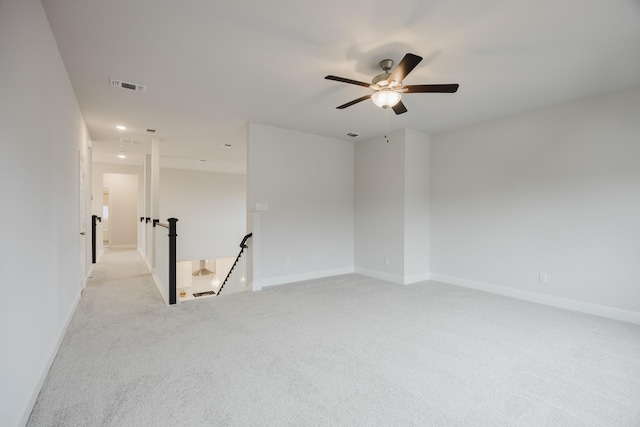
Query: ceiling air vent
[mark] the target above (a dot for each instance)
(151, 131)
(125, 85)
(130, 141)
(353, 135)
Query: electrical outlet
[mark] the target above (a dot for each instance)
(543, 278)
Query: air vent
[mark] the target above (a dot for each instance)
(129, 86)
(353, 135)
(130, 141)
(151, 131)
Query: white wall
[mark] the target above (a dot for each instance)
(123, 209)
(210, 208)
(308, 181)
(554, 191)
(392, 207)
(379, 206)
(43, 134)
(416, 206)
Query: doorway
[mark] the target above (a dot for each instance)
(120, 210)
(105, 217)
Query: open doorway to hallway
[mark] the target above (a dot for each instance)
(120, 210)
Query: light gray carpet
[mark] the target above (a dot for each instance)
(341, 351)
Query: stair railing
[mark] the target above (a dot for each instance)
(238, 266)
(170, 275)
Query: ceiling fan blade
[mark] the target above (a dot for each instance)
(399, 108)
(448, 88)
(343, 80)
(405, 66)
(355, 101)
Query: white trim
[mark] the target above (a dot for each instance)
(157, 281)
(380, 275)
(401, 280)
(409, 280)
(553, 301)
(281, 280)
(123, 246)
(28, 407)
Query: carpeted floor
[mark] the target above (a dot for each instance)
(342, 351)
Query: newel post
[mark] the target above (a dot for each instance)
(172, 260)
(94, 220)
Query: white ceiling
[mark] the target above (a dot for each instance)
(211, 67)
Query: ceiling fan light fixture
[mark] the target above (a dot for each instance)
(388, 87)
(386, 98)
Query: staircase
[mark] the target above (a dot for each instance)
(236, 277)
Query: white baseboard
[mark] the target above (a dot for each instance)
(408, 280)
(281, 280)
(401, 280)
(123, 246)
(393, 278)
(554, 301)
(158, 282)
(44, 371)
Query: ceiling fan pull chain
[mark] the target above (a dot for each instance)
(386, 124)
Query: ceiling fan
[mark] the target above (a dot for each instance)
(388, 88)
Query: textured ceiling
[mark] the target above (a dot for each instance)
(211, 67)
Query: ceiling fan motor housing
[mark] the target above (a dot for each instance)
(386, 65)
(381, 78)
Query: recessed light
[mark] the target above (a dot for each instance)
(122, 156)
(120, 127)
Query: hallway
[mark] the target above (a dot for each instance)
(128, 359)
(112, 351)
